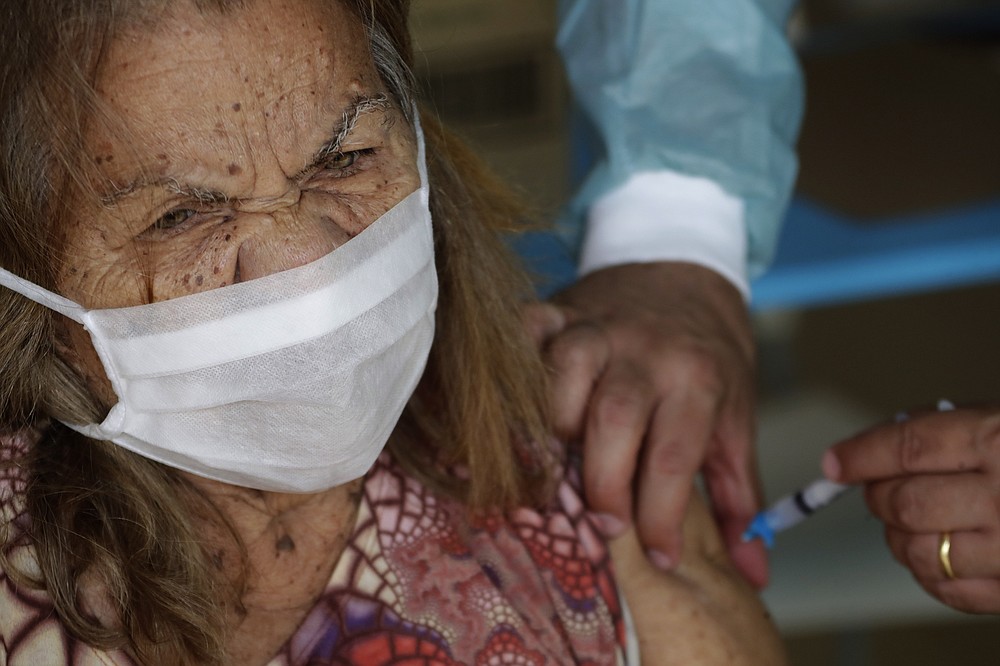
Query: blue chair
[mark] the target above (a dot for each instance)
(823, 258)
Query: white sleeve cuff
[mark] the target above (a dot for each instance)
(668, 216)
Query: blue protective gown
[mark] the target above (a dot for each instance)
(708, 88)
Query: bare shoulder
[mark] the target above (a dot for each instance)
(702, 613)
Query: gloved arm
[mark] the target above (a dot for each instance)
(697, 104)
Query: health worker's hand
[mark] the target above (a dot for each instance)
(652, 370)
(938, 472)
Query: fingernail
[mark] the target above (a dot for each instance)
(609, 524)
(660, 559)
(831, 466)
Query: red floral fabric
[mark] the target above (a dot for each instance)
(418, 584)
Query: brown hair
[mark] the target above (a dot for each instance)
(99, 512)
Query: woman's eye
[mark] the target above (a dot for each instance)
(342, 160)
(174, 218)
(347, 163)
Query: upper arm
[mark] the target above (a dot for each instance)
(701, 613)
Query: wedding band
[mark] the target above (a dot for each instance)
(944, 554)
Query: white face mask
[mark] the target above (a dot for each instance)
(291, 382)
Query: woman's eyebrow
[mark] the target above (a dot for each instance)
(173, 185)
(361, 105)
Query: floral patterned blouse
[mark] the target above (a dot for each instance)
(418, 583)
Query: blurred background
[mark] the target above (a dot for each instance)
(902, 125)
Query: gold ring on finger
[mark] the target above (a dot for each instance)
(944, 555)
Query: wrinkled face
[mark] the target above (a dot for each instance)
(239, 146)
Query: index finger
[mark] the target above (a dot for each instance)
(933, 443)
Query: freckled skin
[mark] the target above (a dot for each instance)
(166, 88)
(198, 102)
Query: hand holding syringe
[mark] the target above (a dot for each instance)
(793, 509)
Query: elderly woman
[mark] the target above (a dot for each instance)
(224, 297)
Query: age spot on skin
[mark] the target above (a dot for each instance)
(199, 280)
(235, 169)
(236, 105)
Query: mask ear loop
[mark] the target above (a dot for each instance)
(43, 296)
(115, 419)
(421, 158)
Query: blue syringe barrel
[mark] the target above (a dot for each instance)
(793, 509)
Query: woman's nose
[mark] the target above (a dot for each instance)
(289, 231)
